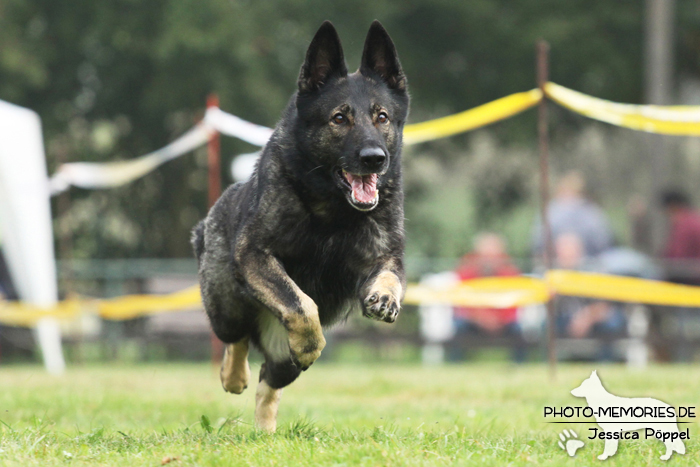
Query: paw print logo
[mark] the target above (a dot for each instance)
(570, 442)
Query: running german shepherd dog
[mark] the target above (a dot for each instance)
(318, 229)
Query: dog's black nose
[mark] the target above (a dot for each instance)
(372, 158)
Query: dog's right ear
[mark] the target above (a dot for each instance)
(324, 59)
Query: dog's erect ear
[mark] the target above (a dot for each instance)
(379, 56)
(324, 59)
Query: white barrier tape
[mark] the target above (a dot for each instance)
(94, 175)
(230, 125)
(669, 120)
(667, 113)
(657, 119)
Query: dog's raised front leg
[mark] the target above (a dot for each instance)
(264, 277)
(382, 294)
(235, 371)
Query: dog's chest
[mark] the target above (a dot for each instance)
(355, 247)
(330, 265)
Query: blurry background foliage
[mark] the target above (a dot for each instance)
(113, 79)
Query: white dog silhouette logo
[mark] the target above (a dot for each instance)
(617, 415)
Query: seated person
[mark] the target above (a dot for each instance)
(488, 259)
(571, 211)
(582, 317)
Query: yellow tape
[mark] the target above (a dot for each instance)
(20, 314)
(492, 292)
(505, 292)
(470, 119)
(119, 308)
(132, 306)
(622, 289)
(668, 120)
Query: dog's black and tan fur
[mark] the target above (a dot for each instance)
(318, 229)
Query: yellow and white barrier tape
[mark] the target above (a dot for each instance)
(96, 175)
(132, 306)
(492, 292)
(471, 119)
(21, 314)
(668, 120)
(622, 289)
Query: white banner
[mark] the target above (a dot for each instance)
(25, 221)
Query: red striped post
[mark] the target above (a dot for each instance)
(214, 169)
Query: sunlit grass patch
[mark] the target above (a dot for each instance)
(333, 415)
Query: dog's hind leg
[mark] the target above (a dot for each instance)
(235, 371)
(267, 401)
(273, 377)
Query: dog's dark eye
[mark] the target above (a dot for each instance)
(339, 118)
(382, 117)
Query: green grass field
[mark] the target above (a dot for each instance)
(485, 414)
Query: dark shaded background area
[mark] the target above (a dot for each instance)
(116, 79)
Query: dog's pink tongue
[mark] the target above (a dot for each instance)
(364, 187)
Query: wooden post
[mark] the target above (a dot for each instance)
(214, 169)
(658, 82)
(547, 248)
(214, 157)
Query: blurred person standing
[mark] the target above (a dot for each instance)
(571, 212)
(489, 259)
(682, 263)
(641, 224)
(682, 252)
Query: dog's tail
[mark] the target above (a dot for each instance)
(197, 240)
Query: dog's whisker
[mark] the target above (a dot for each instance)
(307, 173)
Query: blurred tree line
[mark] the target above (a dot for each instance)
(114, 79)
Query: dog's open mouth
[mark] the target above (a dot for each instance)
(361, 190)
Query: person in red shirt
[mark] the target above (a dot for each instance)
(683, 245)
(682, 261)
(488, 259)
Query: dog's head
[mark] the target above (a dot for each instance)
(349, 126)
(590, 386)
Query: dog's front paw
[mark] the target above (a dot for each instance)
(382, 306)
(306, 346)
(383, 301)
